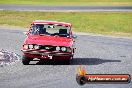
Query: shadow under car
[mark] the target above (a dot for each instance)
(77, 61)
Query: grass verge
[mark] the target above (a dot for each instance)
(113, 23)
(69, 2)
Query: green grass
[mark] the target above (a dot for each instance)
(119, 23)
(68, 2)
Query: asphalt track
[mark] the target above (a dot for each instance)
(65, 8)
(97, 54)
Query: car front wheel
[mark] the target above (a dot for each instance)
(26, 60)
(68, 60)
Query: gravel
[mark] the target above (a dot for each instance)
(8, 58)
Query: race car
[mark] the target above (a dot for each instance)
(49, 40)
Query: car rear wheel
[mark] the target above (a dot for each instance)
(26, 60)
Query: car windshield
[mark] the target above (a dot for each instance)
(48, 29)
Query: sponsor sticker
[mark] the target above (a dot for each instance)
(82, 78)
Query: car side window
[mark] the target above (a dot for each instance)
(63, 33)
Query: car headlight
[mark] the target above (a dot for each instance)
(63, 48)
(25, 46)
(47, 48)
(57, 48)
(36, 46)
(30, 46)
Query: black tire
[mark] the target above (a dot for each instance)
(67, 61)
(25, 60)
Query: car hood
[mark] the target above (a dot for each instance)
(48, 40)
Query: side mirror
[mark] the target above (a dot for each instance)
(74, 36)
(26, 32)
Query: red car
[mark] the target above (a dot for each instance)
(49, 40)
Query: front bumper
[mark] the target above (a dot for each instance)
(46, 53)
